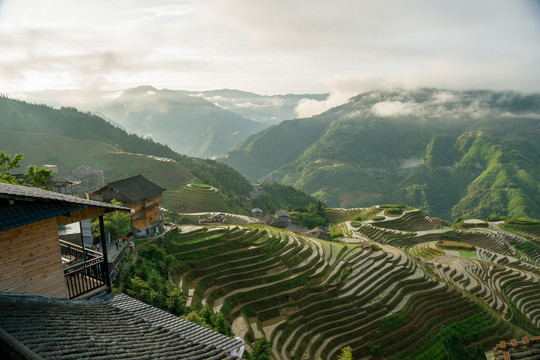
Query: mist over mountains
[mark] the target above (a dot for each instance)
(196, 123)
(453, 153)
(267, 110)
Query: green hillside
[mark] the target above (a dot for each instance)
(20, 116)
(472, 153)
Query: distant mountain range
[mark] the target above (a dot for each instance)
(264, 109)
(203, 124)
(470, 153)
(190, 125)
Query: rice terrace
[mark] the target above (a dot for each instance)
(402, 285)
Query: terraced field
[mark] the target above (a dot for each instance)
(194, 199)
(337, 215)
(394, 294)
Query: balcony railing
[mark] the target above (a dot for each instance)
(88, 274)
(72, 253)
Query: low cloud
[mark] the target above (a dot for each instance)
(411, 163)
(309, 107)
(394, 108)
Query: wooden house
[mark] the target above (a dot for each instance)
(90, 178)
(283, 219)
(32, 258)
(142, 196)
(257, 213)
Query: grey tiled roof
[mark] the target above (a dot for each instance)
(9, 191)
(22, 213)
(32, 204)
(63, 329)
(283, 212)
(526, 349)
(187, 329)
(135, 188)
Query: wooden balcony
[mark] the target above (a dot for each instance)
(85, 270)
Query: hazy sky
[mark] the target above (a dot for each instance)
(269, 46)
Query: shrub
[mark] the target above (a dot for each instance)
(375, 247)
(346, 353)
(261, 350)
(393, 211)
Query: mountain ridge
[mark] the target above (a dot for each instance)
(411, 147)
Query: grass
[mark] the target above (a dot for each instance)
(467, 254)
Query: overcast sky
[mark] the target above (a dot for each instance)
(269, 46)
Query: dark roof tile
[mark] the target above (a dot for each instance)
(63, 329)
(9, 191)
(20, 205)
(135, 188)
(186, 328)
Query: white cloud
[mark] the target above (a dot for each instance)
(269, 47)
(394, 108)
(444, 97)
(412, 163)
(310, 107)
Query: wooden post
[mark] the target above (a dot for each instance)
(104, 246)
(82, 242)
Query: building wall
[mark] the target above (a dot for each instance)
(30, 260)
(145, 214)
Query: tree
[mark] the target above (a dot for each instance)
(34, 176)
(115, 223)
(346, 353)
(261, 350)
(176, 302)
(194, 317)
(221, 325)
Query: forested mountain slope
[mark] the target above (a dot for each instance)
(471, 153)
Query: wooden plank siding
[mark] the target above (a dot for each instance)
(143, 215)
(79, 215)
(30, 261)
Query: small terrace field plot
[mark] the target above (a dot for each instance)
(338, 215)
(395, 295)
(525, 228)
(412, 220)
(194, 199)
